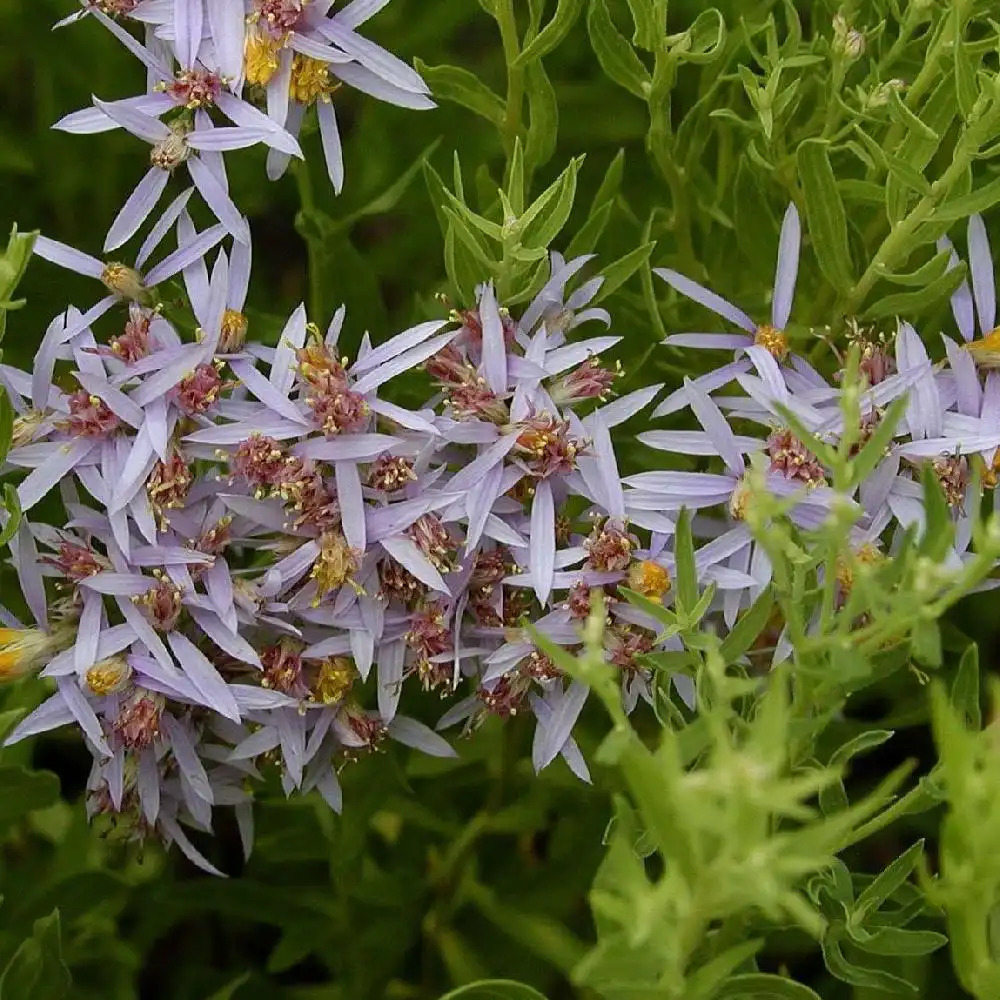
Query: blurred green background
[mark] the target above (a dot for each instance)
(439, 871)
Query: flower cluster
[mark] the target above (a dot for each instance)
(261, 549)
(224, 75)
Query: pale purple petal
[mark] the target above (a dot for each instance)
(136, 209)
(981, 270)
(38, 482)
(415, 734)
(177, 835)
(406, 552)
(700, 294)
(396, 345)
(51, 714)
(494, 364)
(333, 151)
(163, 224)
(716, 427)
(65, 256)
(242, 113)
(135, 121)
(203, 675)
(225, 18)
(351, 447)
(552, 733)
(352, 506)
(186, 254)
(962, 307)
(406, 361)
(218, 200)
(188, 20)
(390, 678)
(543, 540)
(363, 79)
(787, 267)
(84, 714)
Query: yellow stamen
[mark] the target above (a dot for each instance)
(260, 57)
(310, 80)
(986, 351)
(109, 676)
(336, 675)
(772, 340)
(649, 579)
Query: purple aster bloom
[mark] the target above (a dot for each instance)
(768, 337)
(122, 281)
(172, 146)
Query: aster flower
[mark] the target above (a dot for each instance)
(174, 145)
(198, 84)
(298, 53)
(767, 337)
(129, 283)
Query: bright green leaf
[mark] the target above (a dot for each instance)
(616, 56)
(567, 11)
(825, 214)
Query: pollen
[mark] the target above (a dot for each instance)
(310, 80)
(335, 564)
(234, 331)
(739, 501)
(649, 579)
(335, 679)
(109, 676)
(260, 57)
(772, 340)
(986, 351)
(123, 280)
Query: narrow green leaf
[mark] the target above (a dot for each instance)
(857, 190)
(825, 214)
(906, 303)
(611, 183)
(895, 941)
(541, 223)
(543, 117)
(763, 986)
(389, 198)
(931, 271)
(616, 274)
(12, 504)
(907, 175)
(965, 688)
(229, 990)
(861, 743)
(494, 989)
(515, 180)
(704, 41)
(648, 33)
(452, 83)
(966, 91)
(705, 983)
(589, 233)
(907, 118)
(875, 447)
(748, 627)
(567, 11)
(886, 883)
(616, 56)
(687, 573)
(37, 970)
(979, 200)
(438, 194)
(856, 975)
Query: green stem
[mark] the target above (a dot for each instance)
(897, 243)
(661, 147)
(515, 74)
(307, 202)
